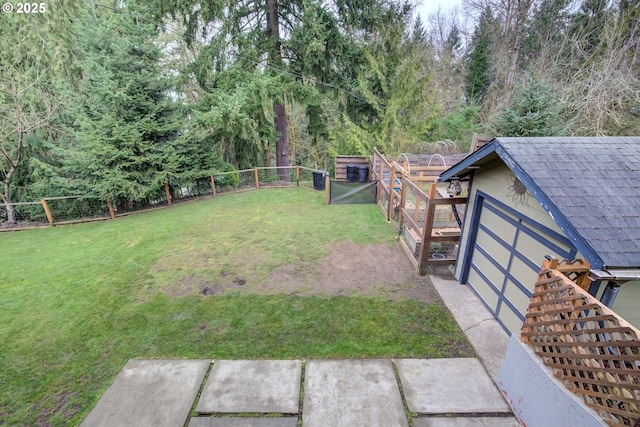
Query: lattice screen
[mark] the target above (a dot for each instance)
(594, 352)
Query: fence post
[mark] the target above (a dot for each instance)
(416, 210)
(327, 191)
(111, 211)
(47, 212)
(403, 200)
(298, 176)
(213, 186)
(168, 193)
(255, 173)
(380, 179)
(392, 183)
(427, 229)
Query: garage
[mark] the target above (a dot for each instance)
(503, 259)
(565, 197)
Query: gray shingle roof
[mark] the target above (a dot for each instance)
(594, 183)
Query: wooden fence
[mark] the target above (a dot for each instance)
(51, 211)
(341, 162)
(428, 223)
(594, 352)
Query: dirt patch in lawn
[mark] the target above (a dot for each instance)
(381, 270)
(353, 269)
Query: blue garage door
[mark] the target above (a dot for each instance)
(506, 249)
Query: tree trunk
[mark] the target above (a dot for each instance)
(6, 194)
(267, 154)
(282, 146)
(11, 216)
(280, 121)
(517, 35)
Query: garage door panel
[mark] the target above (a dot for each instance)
(489, 268)
(510, 319)
(498, 222)
(488, 243)
(551, 240)
(506, 251)
(526, 273)
(535, 250)
(516, 296)
(484, 289)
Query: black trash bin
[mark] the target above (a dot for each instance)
(351, 173)
(363, 173)
(319, 180)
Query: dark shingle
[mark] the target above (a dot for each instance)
(594, 183)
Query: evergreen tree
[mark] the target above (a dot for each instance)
(479, 69)
(534, 111)
(237, 117)
(453, 43)
(35, 57)
(587, 25)
(448, 62)
(546, 29)
(125, 123)
(419, 34)
(397, 83)
(314, 40)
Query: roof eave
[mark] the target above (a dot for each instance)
(493, 150)
(467, 165)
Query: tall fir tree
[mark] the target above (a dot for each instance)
(587, 25)
(479, 74)
(307, 43)
(125, 122)
(36, 53)
(545, 30)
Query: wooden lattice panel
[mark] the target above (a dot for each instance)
(595, 353)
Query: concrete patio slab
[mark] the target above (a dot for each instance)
(244, 422)
(150, 393)
(352, 393)
(442, 386)
(263, 386)
(466, 422)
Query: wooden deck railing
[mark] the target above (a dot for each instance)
(388, 194)
(426, 220)
(594, 352)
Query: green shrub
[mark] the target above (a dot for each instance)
(227, 179)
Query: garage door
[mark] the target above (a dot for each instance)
(506, 249)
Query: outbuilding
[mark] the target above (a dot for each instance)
(564, 197)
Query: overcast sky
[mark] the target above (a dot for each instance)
(430, 6)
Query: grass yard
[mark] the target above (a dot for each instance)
(78, 301)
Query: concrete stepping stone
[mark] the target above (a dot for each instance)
(243, 422)
(466, 422)
(352, 393)
(150, 393)
(443, 386)
(254, 386)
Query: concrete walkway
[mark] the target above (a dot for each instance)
(320, 393)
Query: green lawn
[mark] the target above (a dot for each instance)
(78, 301)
